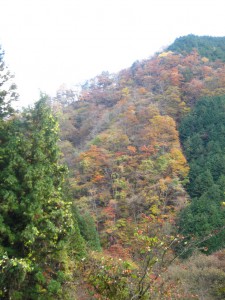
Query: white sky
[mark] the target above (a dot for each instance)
(50, 42)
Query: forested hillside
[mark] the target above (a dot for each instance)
(207, 46)
(141, 213)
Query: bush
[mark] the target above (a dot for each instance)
(200, 275)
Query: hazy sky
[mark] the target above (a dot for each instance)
(50, 42)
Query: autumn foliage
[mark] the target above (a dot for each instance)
(127, 167)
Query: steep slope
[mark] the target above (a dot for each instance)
(202, 135)
(121, 142)
(124, 128)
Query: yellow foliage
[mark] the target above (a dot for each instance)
(155, 210)
(205, 59)
(165, 54)
(178, 163)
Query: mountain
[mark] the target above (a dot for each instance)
(132, 172)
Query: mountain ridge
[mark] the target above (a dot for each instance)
(127, 163)
(208, 46)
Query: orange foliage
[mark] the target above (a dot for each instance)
(142, 91)
(98, 178)
(109, 211)
(176, 77)
(148, 149)
(162, 132)
(118, 251)
(132, 149)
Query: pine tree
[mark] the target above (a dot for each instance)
(202, 135)
(88, 230)
(36, 220)
(7, 88)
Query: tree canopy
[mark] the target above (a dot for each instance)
(202, 135)
(36, 219)
(207, 46)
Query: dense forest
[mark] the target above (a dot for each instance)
(117, 191)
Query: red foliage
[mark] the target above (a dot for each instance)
(118, 251)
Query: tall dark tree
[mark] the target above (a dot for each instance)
(37, 227)
(202, 135)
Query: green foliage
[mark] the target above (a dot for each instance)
(207, 46)
(7, 89)
(54, 287)
(77, 247)
(202, 135)
(12, 276)
(36, 221)
(112, 278)
(88, 231)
